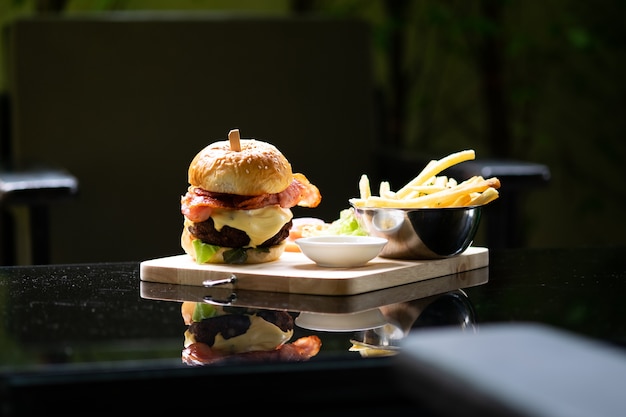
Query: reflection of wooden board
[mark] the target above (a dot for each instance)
(294, 273)
(333, 304)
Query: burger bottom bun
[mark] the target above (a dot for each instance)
(254, 256)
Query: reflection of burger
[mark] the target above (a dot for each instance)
(216, 334)
(237, 207)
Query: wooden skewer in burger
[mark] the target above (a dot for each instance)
(237, 206)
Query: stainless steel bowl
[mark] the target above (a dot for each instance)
(421, 233)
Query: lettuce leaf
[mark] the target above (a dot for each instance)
(346, 224)
(203, 251)
(203, 311)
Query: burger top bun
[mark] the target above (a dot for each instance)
(243, 167)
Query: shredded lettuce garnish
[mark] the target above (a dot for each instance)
(346, 224)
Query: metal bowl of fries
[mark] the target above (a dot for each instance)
(432, 216)
(421, 233)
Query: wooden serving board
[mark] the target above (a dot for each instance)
(311, 303)
(295, 273)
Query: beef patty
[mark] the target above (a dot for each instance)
(232, 238)
(235, 324)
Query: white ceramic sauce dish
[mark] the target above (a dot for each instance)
(341, 251)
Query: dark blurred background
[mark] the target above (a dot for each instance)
(511, 79)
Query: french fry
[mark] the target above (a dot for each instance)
(472, 180)
(462, 201)
(435, 167)
(485, 197)
(428, 189)
(438, 199)
(385, 190)
(425, 189)
(441, 181)
(364, 187)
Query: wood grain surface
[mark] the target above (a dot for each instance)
(294, 273)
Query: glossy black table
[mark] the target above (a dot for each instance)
(94, 339)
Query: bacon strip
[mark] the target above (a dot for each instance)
(198, 204)
(302, 349)
(309, 194)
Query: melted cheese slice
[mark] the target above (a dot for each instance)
(260, 224)
(262, 335)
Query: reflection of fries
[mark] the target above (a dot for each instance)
(428, 189)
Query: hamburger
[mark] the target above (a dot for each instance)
(237, 205)
(218, 334)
